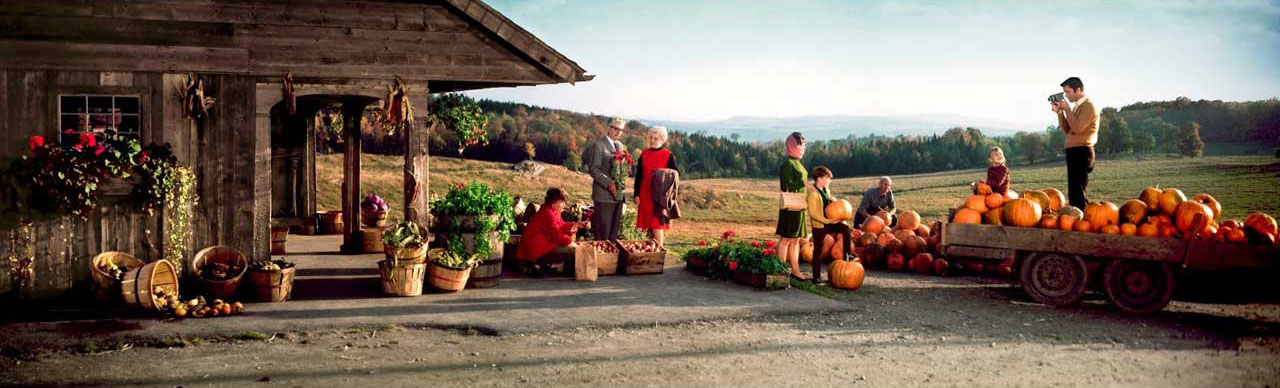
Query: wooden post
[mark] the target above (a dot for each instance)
(417, 175)
(351, 114)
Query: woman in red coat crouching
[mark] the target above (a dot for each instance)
(548, 239)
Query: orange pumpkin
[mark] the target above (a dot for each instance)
(847, 274)
(1039, 197)
(923, 231)
(885, 239)
(873, 225)
(1133, 211)
(982, 188)
(1109, 229)
(1184, 215)
(1232, 224)
(1128, 229)
(909, 220)
(976, 203)
(902, 234)
(1084, 226)
(865, 239)
(1162, 219)
(1010, 195)
(1056, 199)
(1209, 232)
(922, 263)
(1149, 230)
(1261, 223)
(1067, 222)
(1212, 203)
(941, 267)
(837, 252)
(1151, 197)
(806, 250)
(1223, 232)
(1168, 231)
(964, 216)
(1237, 235)
(1102, 213)
(993, 216)
(839, 210)
(1049, 221)
(914, 245)
(1266, 239)
(1169, 200)
(994, 200)
(1021, 212)
(884, 215)
(855, 234)
(895, 262)
(895, 245)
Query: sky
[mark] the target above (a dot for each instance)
(702, 60)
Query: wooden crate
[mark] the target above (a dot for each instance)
(763, 282)
(606, 263)
(643, 263)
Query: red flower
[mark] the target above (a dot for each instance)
(755, 244)
(35, 142)
(88, 140)
(144, 157)
(78, 147)
(770, 244)
(769, 252)
(728, 234)
(733, 265)
(68, 132)
(702, 242)
(100, 150)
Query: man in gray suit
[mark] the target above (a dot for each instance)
(607, 194)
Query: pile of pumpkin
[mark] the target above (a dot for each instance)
(908, 245)
(1164, 213)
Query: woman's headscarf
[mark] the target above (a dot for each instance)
(793, 145)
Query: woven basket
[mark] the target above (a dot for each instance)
(220, 289)
(102, 279)
(279, 234)
(406, 255)
(449, 279)
(400, 278)
(371, 239)
(137, 286)
(272, 286)
(373, 218)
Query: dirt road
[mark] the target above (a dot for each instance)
(906, 331)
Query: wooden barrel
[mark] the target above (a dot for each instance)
(469, 243)
(448, 279)
(373, 218)
(486, 274)
(103, 282)
(402, 279)
(138, 285)
(272, 286)
(220, 289)
(278, 236)
(372, 239)
(331, 222)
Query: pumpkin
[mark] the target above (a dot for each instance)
(909, 220)
(1261, 223)
(966, 216)
(935, 226)
(914, 245)
(865, 239)
(1232, 224)
(1185, 214)
(1102, 213)
(1151, 197)
(982, 188)
(839, 210)
(837, 252)
(1071, 211)
(1169, 200)
(884, 238)
(902, 234)
(847, 275)
(1067, 222)
(1168, 231)
(923, 231)
(855, 234)
(1049, 221)
(1133, 211)
(1149, 230)
(1039, 197)
(874, 254)
(1162, 219)
(884, 215)
(993, 216)
(894, 246)
(1109, 229)
(1222, 234)
(941, 267)
(1010, 195)
(977, 203)
(923, 263)
(1266, 239)
(1021, 212)
(1128, 229)
(1212, 203)
(1084, 226)
(895, 262)
(1056, 199)
(873, 225)
(1209, 232)
(806, 251)
(1237, 235)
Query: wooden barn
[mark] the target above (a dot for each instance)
(64, 63)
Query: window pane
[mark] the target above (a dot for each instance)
(73, 122)
(100, 104)
(101, 123)
(128, 124)
(72, 104)
(127, 104)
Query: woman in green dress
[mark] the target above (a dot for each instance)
(791, 224)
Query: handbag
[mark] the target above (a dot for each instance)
(792, 201)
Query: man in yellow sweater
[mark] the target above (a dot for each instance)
(1081, 126)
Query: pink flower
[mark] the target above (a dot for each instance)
(35, 142)
(770, 244)
(733, 265)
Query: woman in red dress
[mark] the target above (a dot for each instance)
(548, 239)
(652, 158)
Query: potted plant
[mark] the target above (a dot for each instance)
(405, 267)
(404, 242)
(749, 263)
(373, 211)
(473, 219)
(450, 271)
(272, 280)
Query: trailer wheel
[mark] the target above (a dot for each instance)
(1054, 279)
(1138, 286)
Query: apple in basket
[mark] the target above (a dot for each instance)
(642, 246)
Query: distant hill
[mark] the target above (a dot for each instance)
(755, 129)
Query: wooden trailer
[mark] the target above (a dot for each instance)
(1138, 274)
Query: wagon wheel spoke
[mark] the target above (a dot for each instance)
(1054, 279)
(1138, 286)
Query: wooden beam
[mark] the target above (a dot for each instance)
(121, 57)
(417, 175)
(351, 114)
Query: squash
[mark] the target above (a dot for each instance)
(923, 231)
(909, 220)
(1101, 214)
(976, 203)
(895, 262)
(894, 246)
(874, 254)
(1149, 230)
(982, 188)
(966, 216)
(902, 234)
(1237, 235)
(806, 251)
(1039, 197)
(1084, 226)
(837, 253)
(873, 225)
(1169, 200)
(922, 263)
(1129, 229)
(866, 239)
(847, 275)
(1010, 195)
(1151, 197)
(1109, 229)
(1232, 224)
(1056, 199)
(885, 238)
(839, 210)
(994, 201)
(1168, 231)
(1184, 217)
(1209, 232)
(993, 216)
(1067, 222)
(1048, 221)
(884, 215)
(1021, 212)
(1071, 211)
(1212, 203)
(941, 267)
(914, 245)
(1133, 211)
(1261, 223)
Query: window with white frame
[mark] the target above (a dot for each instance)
(99, 113)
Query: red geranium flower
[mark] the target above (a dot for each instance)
(733, 265)
(728, 234)
(755, 244)
(88, 140)
(144, 157)
(702, 242)
(35, 142)
(100, 150)
(770, 244)
(769, 252)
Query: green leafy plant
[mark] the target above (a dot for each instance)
(403, 235)
(451, 259)
(461, 114)
(475, 199)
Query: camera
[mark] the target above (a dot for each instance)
(1054, 98)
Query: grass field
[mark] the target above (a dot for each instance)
(1243, 183)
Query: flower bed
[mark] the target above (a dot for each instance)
(752, 263)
